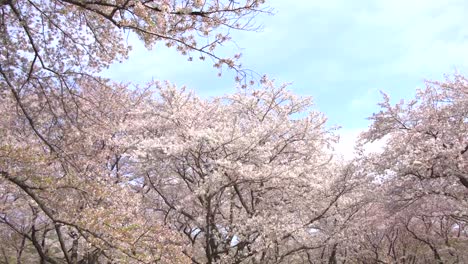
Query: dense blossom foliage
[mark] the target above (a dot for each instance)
(93, 171)
(73, 201)
(66, 192)
(59, 38)
(422, 173)
(246, 177)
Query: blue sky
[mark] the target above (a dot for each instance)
(340, 52)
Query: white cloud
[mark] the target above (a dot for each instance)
(430, 34)
(342, 52)
(345, 148)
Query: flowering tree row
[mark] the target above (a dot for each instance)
(93, 171)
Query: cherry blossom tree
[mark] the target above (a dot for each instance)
(71, 201)
(92, 171)
(386, 231)
(50, 48)
(422, 171)
(247, 178)
(431, 131)
(427, 142)
(59, 39)
(67, 195)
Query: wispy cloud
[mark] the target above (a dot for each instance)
(339, 51)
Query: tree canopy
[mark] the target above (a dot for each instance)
(94, 171)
